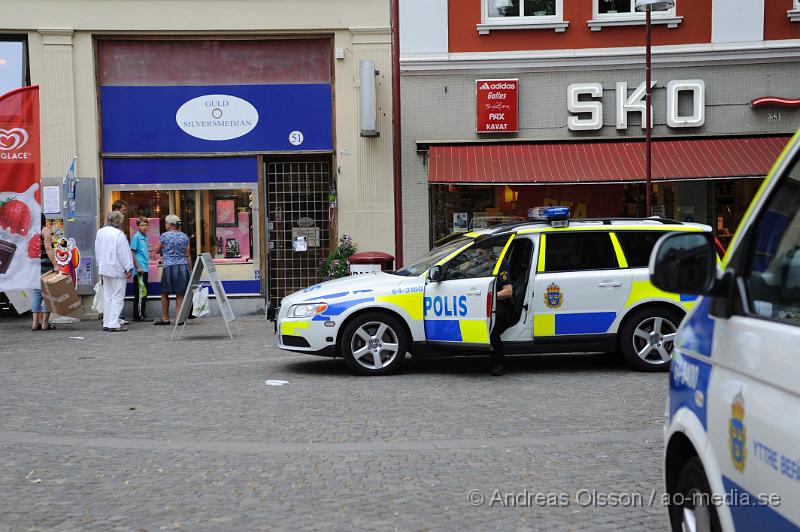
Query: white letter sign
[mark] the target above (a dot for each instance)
(698, 89)
(592, 107)
(633, 104)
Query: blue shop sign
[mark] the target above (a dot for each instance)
(217, 119)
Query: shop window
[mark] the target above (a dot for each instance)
(637, 246)
(731, 199)
(773, 279)
(218, 221)
(13, 64)
(574, 252)
(476, 261)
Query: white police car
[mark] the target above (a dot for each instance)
(732, 435)
(579, 286)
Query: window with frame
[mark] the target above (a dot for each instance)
(773, 272)
(637, 246)
(576, 251)
(522, 10)
(624, 8)
(13, 64)
(476, 261)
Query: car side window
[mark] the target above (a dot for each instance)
(773, 272)
(476, 261)
(576, 251)
(637, 246)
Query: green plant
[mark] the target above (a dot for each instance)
(336, 265)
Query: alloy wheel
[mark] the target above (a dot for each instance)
(653, 339)
(374, 345)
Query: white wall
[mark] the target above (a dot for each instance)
(737, 21)
(423, 27)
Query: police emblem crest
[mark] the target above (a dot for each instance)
(553, 297)
(737, 434)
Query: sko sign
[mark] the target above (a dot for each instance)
(498, 105)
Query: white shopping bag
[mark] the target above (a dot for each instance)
(97, 302)
(200, 306)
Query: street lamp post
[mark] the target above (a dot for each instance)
(648, 6)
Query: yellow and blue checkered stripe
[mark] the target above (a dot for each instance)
(572, 323)
(465, 331)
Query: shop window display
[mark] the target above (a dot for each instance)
(720, 204)
(219, 222)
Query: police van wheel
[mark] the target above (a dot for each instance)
(691, 507)
(647, 336)
(374, 344)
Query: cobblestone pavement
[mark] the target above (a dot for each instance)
(132, 431)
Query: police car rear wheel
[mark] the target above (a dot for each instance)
(647, 338)
(374, 344)
(691, 508)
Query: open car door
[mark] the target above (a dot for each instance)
(460, 295)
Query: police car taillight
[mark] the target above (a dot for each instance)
(555, 216)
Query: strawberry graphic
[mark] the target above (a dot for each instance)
(34, 247)
(16, 216)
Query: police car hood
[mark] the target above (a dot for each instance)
(345, 288)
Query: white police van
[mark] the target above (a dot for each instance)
(732, 434)
(579, 286)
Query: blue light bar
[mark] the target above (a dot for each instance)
(549, 213)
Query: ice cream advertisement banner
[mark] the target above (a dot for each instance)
(20, 190)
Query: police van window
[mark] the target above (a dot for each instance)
(476, 261)
(773, 277)
(637, 246)
(579, 251)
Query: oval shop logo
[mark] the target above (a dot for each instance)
(217, 117)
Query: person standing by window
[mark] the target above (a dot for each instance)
(122, 206)
(116, 266)
(141, 263)
(173, 246)
(41, 314)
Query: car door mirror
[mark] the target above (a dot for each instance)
(436, 274)
(684, 263)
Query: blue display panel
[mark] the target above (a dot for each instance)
(291, 117)
(180, 170)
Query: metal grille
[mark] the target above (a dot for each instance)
(297, 195)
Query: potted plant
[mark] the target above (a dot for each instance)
(336, 265)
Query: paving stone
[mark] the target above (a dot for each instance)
(131, 431)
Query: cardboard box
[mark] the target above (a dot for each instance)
(60, 294)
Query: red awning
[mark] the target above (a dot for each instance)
(603, 162)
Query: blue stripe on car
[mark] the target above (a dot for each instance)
(443, 330)
(338, 308)
(328, 296)
(749, 513)
(584, 322)
(688, 385)
(697, 333)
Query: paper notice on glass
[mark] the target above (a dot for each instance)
(84, 272)
(51, 200)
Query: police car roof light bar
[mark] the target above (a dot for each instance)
(549, 214)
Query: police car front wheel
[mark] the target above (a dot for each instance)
(691, 507)
(374, 344)
(647, 338)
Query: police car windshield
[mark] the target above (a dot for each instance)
(430, 259)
